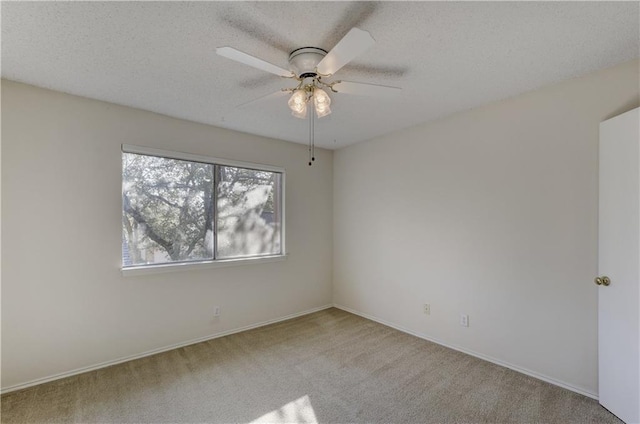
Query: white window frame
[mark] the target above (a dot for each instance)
(209, 263)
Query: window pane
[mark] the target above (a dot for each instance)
(249, 215)
(167, 210)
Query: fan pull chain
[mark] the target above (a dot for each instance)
(310, 134)
(313, 137)
(312, 143)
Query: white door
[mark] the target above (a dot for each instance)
(619, 260)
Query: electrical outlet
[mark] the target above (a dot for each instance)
(464, 320)
(216, 311)
(426, 308)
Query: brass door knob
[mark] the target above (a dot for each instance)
(602, 281)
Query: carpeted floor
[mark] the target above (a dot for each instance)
(330, 366)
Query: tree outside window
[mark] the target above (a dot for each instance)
(181, 211)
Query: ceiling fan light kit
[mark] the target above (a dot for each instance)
(304, 93)
(298, 103)
(315, 63)
(321, 101)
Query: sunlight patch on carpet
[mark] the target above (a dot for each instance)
(296, 411)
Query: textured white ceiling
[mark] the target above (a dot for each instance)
(447, 56)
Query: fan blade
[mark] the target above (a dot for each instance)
(363, 89)
(353, 44)
(277, 94)
(247, 59)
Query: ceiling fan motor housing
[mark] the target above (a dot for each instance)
(303, 61)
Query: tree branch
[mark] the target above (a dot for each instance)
(135, 214)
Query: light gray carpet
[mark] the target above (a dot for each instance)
(330, 366)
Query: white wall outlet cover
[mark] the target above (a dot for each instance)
(464, 320)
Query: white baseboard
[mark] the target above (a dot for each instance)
(472, 353)
(273, 321)
(155, 351)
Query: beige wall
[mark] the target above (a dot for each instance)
(492, 213)
(65, 304)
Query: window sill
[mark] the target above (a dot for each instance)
(165, 268)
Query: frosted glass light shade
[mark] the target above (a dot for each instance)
(298, 104)
(322, 101)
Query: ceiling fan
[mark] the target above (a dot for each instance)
(312, 67)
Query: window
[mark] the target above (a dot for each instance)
(182, 208)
